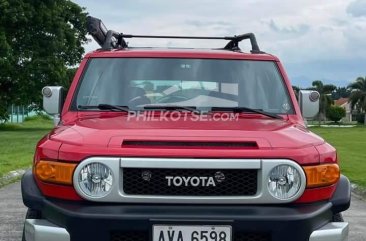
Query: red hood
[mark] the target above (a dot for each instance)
(101, 135)
(107, 131)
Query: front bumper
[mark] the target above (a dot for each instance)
(42, 230)
(108, 222)
(331, 232)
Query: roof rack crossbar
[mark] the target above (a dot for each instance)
(172, 37)
(234, 42)
(109, 39)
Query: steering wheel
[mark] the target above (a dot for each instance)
(139, 100)
(171, 98)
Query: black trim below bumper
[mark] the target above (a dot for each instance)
(341, 199)
(94, 221)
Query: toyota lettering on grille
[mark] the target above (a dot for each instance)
(195, 181)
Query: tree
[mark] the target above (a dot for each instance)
(358, 95)
(70, 73)
(296, 90)
(325, 100)
(341, 92)
(39, 41)
(335, 113)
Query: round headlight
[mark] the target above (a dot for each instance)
(95, 180)
(284, 182)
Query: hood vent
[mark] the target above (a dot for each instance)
(190, 144)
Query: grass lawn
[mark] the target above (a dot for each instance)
(351, 147)
(18, 141)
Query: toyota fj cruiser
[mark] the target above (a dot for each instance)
(182, 145)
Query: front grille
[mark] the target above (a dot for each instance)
(228, 182)
(143, 236)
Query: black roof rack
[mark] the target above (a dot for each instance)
(109, 39)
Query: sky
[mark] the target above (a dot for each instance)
(314, 39)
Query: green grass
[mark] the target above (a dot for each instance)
(18, 141)
(351, 146)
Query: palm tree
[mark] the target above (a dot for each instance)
(358, 95)
(325, 100)
(341, 92)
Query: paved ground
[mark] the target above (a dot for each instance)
(356, 216)
(12, 211)
(12, 214)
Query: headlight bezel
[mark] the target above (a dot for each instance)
(95, 179)
(77, 184)
(298, 177)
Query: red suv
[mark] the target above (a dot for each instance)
(182, 145)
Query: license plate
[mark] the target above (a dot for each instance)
(191, 233)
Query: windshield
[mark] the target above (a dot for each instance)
(199, 83)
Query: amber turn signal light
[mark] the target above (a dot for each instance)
(321, 175)
(55, 172)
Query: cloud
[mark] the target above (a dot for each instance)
(198, 23)
(301, 33)
(299, 29)
(357, 8)
(338, 72)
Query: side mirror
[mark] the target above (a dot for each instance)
(53, 98)
(309, 103)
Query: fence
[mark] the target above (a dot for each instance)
(18, 113)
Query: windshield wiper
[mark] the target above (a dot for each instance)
(105, 107)
(246, 109)
(172, 107)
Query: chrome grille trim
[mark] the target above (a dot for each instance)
(117, 164)
(190, 163)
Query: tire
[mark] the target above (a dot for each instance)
(337, 217)
(31, 214)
